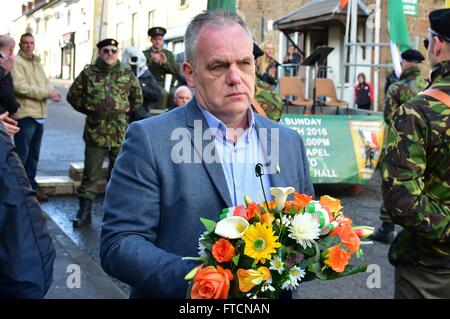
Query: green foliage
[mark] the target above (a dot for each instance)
(210, 225)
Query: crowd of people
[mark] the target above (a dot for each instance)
(153, 202)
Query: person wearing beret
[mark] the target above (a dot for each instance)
(408, 86)
(161, 62)
(105, 92)
(416, 176)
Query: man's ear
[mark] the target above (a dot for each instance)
(438, 46)
(189, 74)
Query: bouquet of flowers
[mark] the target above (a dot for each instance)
(260, 249)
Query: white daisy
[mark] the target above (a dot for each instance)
(297, 274)
(289, 285)
(277, 264)
(304, 228)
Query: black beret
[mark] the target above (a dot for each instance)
(257, 52)
(440, 23)
(106, 42)
(412, 56)
(156, 31)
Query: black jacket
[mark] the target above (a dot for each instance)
(27, 253)
(151, 93)
(8, 102)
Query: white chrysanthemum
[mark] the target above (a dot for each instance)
(304, 229)
(201, 247)
(277, 264)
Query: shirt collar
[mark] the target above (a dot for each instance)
(215, 123)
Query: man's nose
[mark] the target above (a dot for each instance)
(234, 75)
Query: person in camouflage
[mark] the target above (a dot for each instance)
(408, 86)
(106, 92)
(160, 61)
(416, 177)
(267, 96)
(269, 99)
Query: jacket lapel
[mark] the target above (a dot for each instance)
(273, 141)
(215, 171)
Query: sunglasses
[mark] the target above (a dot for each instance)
(426, 41)
(113, 51)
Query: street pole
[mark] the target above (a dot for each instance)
(343, 68)
(353, 38)
(377, 54)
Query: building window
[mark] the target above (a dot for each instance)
(134, 23)
(68, 17)
(184, 4)
(38, 21)
(119, 31)
(151, 19)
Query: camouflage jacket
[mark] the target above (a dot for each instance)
(269, 99)
(408, 86)
(105, 96)
(159, 71)
(416, 177)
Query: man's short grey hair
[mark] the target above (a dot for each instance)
(6, 41)
(215, 17)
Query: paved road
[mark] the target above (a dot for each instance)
(63, 144)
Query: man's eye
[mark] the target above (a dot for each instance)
(218, 67)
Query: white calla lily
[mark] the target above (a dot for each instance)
(280, 194)
(232, 227)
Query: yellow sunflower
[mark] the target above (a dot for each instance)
(260, 242)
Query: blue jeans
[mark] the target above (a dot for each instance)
(28, 145)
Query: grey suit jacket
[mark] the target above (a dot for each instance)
(153, 205)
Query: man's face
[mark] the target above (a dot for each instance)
(109, 55)
(27, 45)
(224, 74)
(157, 41)
(182, 97)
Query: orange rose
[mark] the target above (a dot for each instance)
(252, 211)
(348, 237)
(337, 258)
(223, 250)
(211, 283)
(301, 200)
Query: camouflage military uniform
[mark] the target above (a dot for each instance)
(416, 182)
(408, 86)
(269, 99)
(159, 71)
(106, 96)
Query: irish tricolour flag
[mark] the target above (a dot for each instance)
(398, 31)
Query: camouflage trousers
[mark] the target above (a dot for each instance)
(417, 282)
(384, 215)
(93, 161)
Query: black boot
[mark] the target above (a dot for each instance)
(384, 234)
(84, 213)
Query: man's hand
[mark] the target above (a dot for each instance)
(10, 124)
(54, 95)
(8, 63)
(159, 58)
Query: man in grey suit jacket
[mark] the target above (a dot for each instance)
(194, 161)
